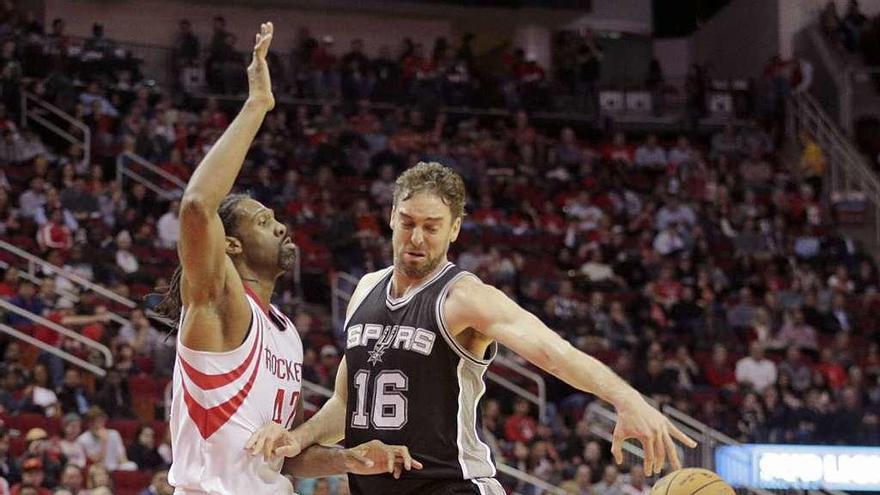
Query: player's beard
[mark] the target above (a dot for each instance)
(287, 256)
(418, 270)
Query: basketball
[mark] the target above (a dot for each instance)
(692, 481)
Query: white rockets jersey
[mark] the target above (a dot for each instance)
(221, 398)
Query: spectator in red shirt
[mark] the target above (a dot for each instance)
(833, 372)
(54, 234)
(520, 427)
(323, 65)
(719, 371)
(9, 284)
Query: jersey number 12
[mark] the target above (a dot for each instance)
(389, 410)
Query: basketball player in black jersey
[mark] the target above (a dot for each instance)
(419, 338)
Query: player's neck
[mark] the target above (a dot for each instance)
(261, 287)
(401, 283)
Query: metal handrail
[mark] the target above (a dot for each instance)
(528, 478)
(123, 170)
(37, 281)
(337, 311)
(540, 383)
(848, 168)
(70, 358)
(86, 141)
(704, 435)
(33, 261)
(51, 325)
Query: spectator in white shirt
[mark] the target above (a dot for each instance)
(382, 188)
(69, 444)
(169, 226)
(756, 370)
(650, 154)
(104, 446)
(33, 198)
(675, 212)
(682, 155)
(669, 240)
(125, 260)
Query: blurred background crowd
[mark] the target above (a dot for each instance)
(702, 267)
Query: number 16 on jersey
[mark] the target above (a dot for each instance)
(389, 411)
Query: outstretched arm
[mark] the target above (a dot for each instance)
(473, 304)
(206, 268)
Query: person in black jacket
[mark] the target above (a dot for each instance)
(143, 451)
(72, 397)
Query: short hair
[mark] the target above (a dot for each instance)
(434, 178)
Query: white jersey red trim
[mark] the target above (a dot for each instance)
(220, 398)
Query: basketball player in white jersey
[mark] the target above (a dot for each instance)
(239, 359)
(420, 336)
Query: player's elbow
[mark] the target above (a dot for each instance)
(194, 206)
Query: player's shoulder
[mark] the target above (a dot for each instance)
(468, 290)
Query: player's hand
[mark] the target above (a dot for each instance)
(375, 457)
(272, 439)
(637, 419)
(259, 83)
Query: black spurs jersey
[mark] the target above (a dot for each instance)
(410, 383)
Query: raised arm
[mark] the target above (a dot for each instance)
(206, 269)
(485, 309)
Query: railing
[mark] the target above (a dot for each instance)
(602, 419)
(51, 325)
(37, 110)
(848, 170)
(33, 262)
(314, 389)
(342, 286)
(70, 358)
(37, 281)
(546, 488)
(539, 399)
(135, 167)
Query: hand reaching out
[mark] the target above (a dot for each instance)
(654, 431)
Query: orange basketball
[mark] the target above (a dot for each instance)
(692, 481)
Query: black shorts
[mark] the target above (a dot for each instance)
(423, 487)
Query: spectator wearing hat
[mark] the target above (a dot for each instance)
(71, 449)
(103, 446)
(32, 476)
(40, 446)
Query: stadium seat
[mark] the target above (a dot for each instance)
(127, 428)
(130, 482)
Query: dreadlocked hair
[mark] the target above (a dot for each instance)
(171, 303)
